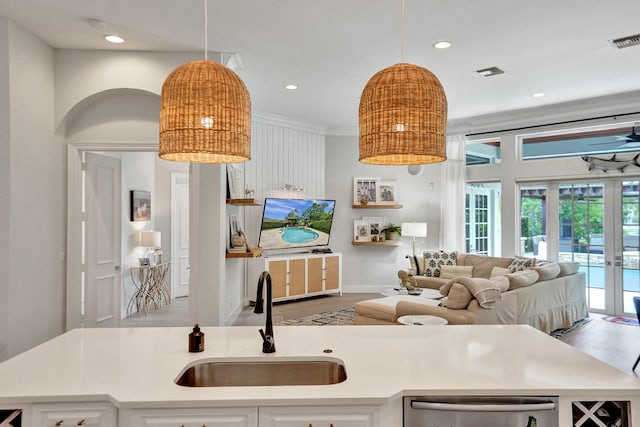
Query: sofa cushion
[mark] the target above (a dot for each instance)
(433, 260)
(451, 271)
(482, 265)
(547, 271)
(521, 263)
(499, 271)
(568, 267)
(458, 297)
(500, 282)
(522, 278)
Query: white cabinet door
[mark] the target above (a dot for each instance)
(74, 414)
(319, 416)
(196, 417)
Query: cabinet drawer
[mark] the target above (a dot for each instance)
(76, 414)
(318, 416)
(196, 417)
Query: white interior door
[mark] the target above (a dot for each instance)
(179, 234)
(101, 288)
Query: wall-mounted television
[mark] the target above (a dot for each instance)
(295, 223)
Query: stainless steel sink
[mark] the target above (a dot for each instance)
(231, 373)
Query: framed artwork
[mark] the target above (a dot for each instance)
(234, 181)
(361, 231)
(387, 193)
(376, 223)
(234, 226)
(365, 189)
(140, 205)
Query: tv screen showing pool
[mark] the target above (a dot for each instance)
(295, 223)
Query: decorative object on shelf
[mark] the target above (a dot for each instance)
(234, 182)
(152, 240)
(205, 113)
(238, 243)
(403, 115)
(376, 223)
(365, 190)
(140, 205)
(414, 229)
(611, 164)
(387, 193)
(361, 231)
(392, 231)
(144, 262)
(248, 193)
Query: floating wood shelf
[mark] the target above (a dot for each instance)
(377, 206)
(243, 202)
(385, 243)
(251, 253)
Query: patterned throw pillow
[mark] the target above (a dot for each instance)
(521, 263)
(433, 260)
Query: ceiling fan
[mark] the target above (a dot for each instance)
(629, 141)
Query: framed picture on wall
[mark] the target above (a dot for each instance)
(387, 193)
(234, 182)
(365, 190)
(140, 205)
(361, 231)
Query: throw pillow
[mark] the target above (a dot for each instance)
(451, 271)
(547, 271)
(458, 297)
(568, 267)
(499, 271)
(433, 260)
(521, 263)
(522, 278)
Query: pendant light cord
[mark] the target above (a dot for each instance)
(206, 31)
(402, 32)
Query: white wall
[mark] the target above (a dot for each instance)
(34, 286)
(5, 190)
(372, 268)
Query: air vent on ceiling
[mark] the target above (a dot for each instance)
(490, 71)
(623, 42)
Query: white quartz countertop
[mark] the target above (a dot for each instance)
(138, 366)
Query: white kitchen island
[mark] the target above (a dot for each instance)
(126, 376)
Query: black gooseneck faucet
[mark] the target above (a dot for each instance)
(268, 340)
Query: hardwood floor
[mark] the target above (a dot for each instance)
(615, 344)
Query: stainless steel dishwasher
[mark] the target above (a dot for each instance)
(480, 411)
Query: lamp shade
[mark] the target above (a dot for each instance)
(403, 117)
(150, 239)
(205, 115)
(414, 229)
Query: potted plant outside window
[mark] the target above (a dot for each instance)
(392, 231)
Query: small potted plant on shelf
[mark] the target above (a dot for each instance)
(392, 231)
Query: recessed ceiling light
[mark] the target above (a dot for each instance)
(442, 44)
(291, 87)
(538, 94)
(112, 38)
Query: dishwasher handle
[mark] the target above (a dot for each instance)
(478, 407)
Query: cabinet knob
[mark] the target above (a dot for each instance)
(59, 423)
(81, 422)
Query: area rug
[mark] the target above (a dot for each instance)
(622, 320)
(343, 316)
(560, 332)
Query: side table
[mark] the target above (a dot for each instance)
(150, 282)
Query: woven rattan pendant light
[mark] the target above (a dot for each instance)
(205, 114)
(403, 116)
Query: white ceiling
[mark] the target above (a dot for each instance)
(330, 48)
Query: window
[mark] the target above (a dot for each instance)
(483, 152)
(533, 220)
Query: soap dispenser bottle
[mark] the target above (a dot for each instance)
(196, 340)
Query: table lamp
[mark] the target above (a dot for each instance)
(414, 229)
(151, 240)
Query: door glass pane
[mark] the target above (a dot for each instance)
(630, 244)
(533, 221)
(581, 225)
(482, 219)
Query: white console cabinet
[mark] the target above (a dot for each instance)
(298, 275)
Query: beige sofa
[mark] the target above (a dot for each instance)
(554, 299)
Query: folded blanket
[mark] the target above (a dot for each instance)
(483, 290)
